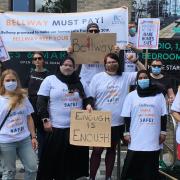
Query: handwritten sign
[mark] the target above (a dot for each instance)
(91, 48)
(4, 56)
(90, 129)
(148, 33)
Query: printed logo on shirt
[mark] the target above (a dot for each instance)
(112, 94)
(15, 126)
(146, 115)
(71, 99)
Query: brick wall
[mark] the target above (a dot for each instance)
(91, 5)
(4, 5)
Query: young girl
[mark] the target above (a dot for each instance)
(17, 129)
(144, 111)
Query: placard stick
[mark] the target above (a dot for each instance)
(146, 59)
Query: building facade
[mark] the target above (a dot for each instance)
(75, 5)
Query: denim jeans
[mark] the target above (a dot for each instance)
(23, 149)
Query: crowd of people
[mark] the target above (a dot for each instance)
(37, 116)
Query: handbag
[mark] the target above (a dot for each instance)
(5, 119)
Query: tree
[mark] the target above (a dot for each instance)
(55, 6)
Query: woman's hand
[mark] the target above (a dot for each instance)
(47, 126)
(127, 138)
(89, 108)
(162, 138)
(34, 143)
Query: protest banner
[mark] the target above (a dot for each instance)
(91, 48)
(4, 55)
(29, 31)
(148, 33)
(90, 129)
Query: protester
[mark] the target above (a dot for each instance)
(57, 96)
(34, 81)
(1, 164)
(87, 71)
(131, 48)
(145, 111)
(161, 80)
(109, 90)
(18, 126)
(176, 114)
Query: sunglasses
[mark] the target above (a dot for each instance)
(93, 30)
(159, 66)
(37, 58)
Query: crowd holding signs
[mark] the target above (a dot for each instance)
(33, 31)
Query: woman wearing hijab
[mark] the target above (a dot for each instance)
(109, 90)
(144, 111)
(57, 96)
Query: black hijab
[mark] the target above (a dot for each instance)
(72, 81)
(152, 90)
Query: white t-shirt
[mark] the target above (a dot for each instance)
(145, 127)
(109, 93)
(61, 101)
(176, 107)
(89, 70)
(128, 65)
(15, 127)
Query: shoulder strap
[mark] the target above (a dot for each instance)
(5, 119)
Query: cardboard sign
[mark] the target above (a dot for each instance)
(91, 48)
(148, 33)
(4, 56)
(90, 129)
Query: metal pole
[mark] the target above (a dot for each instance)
(119, 160)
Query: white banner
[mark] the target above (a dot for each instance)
(148, 33)
(25, 31)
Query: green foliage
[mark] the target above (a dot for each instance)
(55, 6)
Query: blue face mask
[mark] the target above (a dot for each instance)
(143, 83)
(156, 70)
(10, 86)
(132, 31)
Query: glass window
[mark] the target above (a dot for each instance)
(23, 6)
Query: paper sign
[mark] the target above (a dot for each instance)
(90, 129)
(148, 33)
(91, 48)
(4, 56)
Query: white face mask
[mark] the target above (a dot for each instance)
(10, 86)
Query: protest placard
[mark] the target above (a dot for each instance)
(4, 55)
(90, 129)
(91, 48)
(148, 33)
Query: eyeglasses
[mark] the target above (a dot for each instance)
(159, 66)
(37, 58)
(93, 30)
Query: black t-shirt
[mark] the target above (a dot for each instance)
(35, 80)
(164, 84)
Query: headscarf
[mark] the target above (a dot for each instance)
(152, 90)
(72, 81)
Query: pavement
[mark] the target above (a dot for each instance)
(100, 173)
